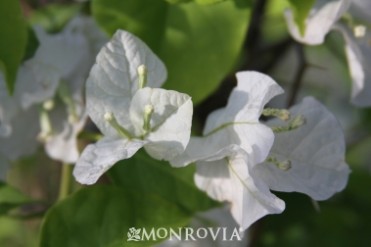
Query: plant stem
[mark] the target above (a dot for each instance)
(297, 83)
(65, 181)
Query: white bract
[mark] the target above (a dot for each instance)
(314, 154)
(71, 53)
(63, 115)
(234, 142)
(232, 158)
(8, 108)
(358, 52)
(323, 19)
(21, 141)
(129, 111)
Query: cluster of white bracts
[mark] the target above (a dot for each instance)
(47, 104)
(324, 18)
(124, 101)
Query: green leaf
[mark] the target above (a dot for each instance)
(32, 44)
(199, 44)
(301, 11)
(147, 175)
(11, 198)
(13, 33)
(54, 17)
(196, 1)
(101, 216)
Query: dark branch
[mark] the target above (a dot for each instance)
(297, 83)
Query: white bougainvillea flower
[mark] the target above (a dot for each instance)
(114, 78)
(62, 117)
(54, 78)
(234, 142)
(129, 114)
(67, 118)
(60, 128)
(321, 18)
(310, 159)
(238, 122)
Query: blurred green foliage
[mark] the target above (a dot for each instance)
(301, 11)
(53, 17)
(13, 33)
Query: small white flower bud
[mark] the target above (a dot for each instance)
(359, 31)
(48, 105)
(142, 70)
(108, 116)
(284, 165)
(148, 109)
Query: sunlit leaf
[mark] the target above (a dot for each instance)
(199, 44)
(301, 10)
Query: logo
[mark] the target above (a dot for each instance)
(184, 234)
(133, 234)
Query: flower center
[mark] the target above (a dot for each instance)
(282, 165)
(294, 123)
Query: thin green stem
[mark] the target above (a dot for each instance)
(65, 182)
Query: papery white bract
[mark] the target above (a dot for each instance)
(315, 152)
(235, 141)
(84, 40)
(8, 108)
(227, 177)
(114, 79)
(237, 123)
(129, 114)
(321, 18)
(21, 141)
